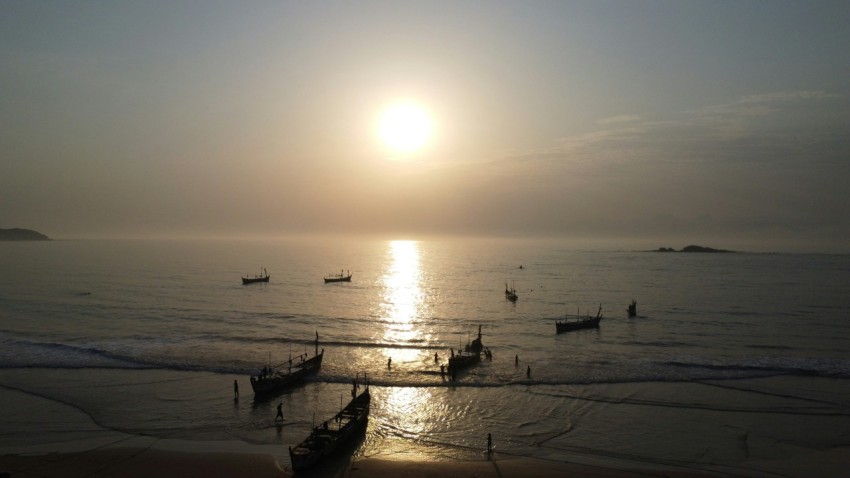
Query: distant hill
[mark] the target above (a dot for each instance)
(21, 235)
(691, 249)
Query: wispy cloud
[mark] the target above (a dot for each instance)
(619, 119)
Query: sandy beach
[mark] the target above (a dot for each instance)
(141, 462)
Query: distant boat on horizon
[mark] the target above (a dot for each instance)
(510, 294)
(338, 277)
(263, 277)
(632, 308)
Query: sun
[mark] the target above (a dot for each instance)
(405, 127)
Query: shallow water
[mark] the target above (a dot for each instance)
(731, 355)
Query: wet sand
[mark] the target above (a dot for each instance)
(140, 462)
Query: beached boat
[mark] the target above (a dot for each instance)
(577, 322)
(633, 308)
(334, 433)
(470, 355)
(510, 294)
(273, 379)
(338, 277)
(264, 277)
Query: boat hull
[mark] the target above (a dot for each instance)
(326, 439)
(251, 280)
(567, 326)
(280, 381)
(338, 279)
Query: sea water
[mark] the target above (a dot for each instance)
(734, 360)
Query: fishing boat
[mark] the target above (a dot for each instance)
(510, 294)
(632, 308)
(333, 433)
(338, 277)
(470, 355)
(264, 277)
(273, 379)
(577, 322)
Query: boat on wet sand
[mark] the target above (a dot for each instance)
(333, 433)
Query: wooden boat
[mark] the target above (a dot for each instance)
(510, 294)
(332, 434)
(632, 308)
(470, 355)
(577, 322)
(338, 277)
(273, 379)
(264, 277)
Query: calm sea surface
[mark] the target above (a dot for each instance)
(733, 358)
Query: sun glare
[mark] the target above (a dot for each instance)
(405, 128)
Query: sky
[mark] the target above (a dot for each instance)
(634, 123)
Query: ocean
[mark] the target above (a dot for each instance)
(736, 363)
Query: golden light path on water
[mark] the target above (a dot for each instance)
(405, 407)
(402, 299)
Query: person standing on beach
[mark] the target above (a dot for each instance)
(389, 363)
(516, 360)
(528, 372)
(489, 443)
(235, 390)
(279, 412)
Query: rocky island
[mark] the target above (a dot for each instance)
(17, 234)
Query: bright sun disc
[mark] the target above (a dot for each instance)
(405, 128)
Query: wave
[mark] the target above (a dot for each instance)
(831, 368)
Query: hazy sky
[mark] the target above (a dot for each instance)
(722, 123)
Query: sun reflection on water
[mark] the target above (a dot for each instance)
(402, 310)
(402, 300)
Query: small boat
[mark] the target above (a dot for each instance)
(264, 277)
(510, 294)
(633, 308)
(338, 277)
(577, 322)
(273, 379)
(470, 355)
(333, 433)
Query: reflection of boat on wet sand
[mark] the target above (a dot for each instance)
(264, 277)
(510, 294)
(577, 322)
(470, 355)
(328, 437)
(273, 379)
(338, 277)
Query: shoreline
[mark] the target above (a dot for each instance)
(167, 463)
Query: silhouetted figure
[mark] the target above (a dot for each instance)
(443, 371)
(279, 412)
(528, 372)
(389, 363)
(436, 357)
(516, 360)
(317, 343)
(235, 390)
(489, 443)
